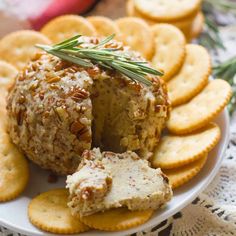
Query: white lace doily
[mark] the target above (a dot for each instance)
(213, 213)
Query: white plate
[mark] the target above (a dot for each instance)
(13, 214)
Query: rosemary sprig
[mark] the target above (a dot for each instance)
(227, 71)
(74, 51)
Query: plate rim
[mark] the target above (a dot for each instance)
(163, 217)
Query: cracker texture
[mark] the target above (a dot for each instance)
(201, 110)
(49, 212)
(117, 219)
(192, 77)
(182, 175)
(175, 151)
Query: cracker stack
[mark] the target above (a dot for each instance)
(186, 15)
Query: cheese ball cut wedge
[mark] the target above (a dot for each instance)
(109, 180)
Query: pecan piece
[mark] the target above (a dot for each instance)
(77, 94)
(20, 117)
(53, 79)
(76, 127)
(84, 135)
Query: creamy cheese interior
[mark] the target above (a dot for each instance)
(133, 184)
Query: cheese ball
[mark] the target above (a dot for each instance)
(57, 109)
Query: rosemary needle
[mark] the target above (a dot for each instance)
(71, 50)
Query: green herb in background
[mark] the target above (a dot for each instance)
(210, 37)
(227, 71)
(223, 5)
(71, 50)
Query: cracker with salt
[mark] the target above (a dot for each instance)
(117, 219)
(67, 26)
(49, 211)
(104, 26)
(182, 175)
(136, 33)
(14, 174)
(175, 151)
(192, 77)
(167, 10)
(201, 109)
(169, 49)
(18, 47)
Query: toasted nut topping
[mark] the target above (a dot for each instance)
(54, 86)
(20, 117)
(21, 77)
(84, 135)
(94, 40)
(93, 71)
(61, 111)
(37, 56)
(41, 95)
(53, 79)
(77, 94)
(21, 99)
(76, 127)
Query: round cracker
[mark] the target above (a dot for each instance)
(7, 75)
(18, 47)
(197, 25)
(132, 12)
(201, 109)
(181, 24)
(7, 78)
(49, 211)
(14, 174)
(169, 49)
(67, 26)
(192, 77)
(104, 26)
(182, 175)
(167, 10)
(137, 34)
(117, 219)
(195, 28)
(176, 151)
(185, 24)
